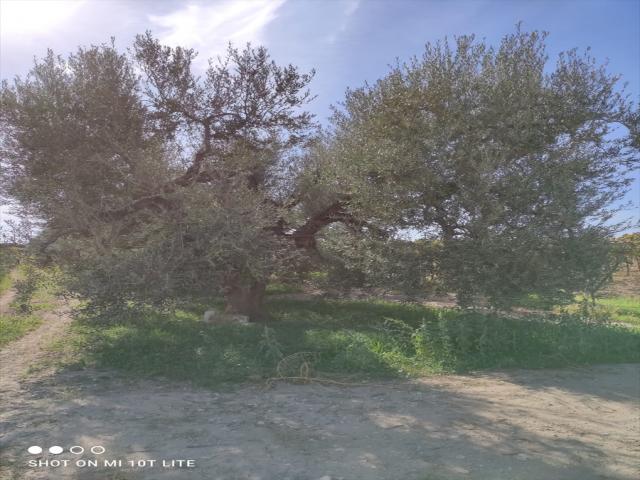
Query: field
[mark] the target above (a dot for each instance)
(341, 339)
(354, 340)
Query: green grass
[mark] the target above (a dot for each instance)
(537, 302)
(618, 309)
(277, 288)
(13, 327)
(623, 309)
(358, 340)
(5, 283)
(8, 259)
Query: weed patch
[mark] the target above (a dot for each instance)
(361, 339)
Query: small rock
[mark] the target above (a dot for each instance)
(522, 456)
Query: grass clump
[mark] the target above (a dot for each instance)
(26, 287)
(13, 327)
(345, 338)
(8, 260)
(35, 292)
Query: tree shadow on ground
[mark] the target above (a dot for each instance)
(587, 382)
(491, 426)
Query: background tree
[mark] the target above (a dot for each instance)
(629, 247)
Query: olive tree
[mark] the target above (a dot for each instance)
(156, 184)
(510, 163)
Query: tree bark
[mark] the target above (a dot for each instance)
(246, 299)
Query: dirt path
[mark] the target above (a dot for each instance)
(17, 357)
(5, 300)
(570, 424)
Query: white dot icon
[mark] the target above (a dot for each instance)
(56, 450)
(98, 449)
(34, 450)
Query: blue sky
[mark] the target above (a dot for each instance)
(346, 41)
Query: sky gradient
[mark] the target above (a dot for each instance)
(348, 42)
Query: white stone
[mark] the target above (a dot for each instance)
(214, 317)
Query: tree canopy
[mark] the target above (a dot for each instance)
(510, 163)
(483, 167)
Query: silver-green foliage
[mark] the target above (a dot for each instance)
(510, 162)
(155, 184)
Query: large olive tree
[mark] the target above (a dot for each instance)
(506, 163)
(154, 183)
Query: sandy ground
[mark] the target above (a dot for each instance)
(565, 424)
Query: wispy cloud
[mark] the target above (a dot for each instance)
(209, 27)
(349, 9)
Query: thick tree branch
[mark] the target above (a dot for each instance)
(195, 169)
(304, 235)
(193, 174)
(152, 202)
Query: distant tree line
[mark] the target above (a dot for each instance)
(628, 246)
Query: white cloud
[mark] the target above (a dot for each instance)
(210, 27)
(26, 18)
